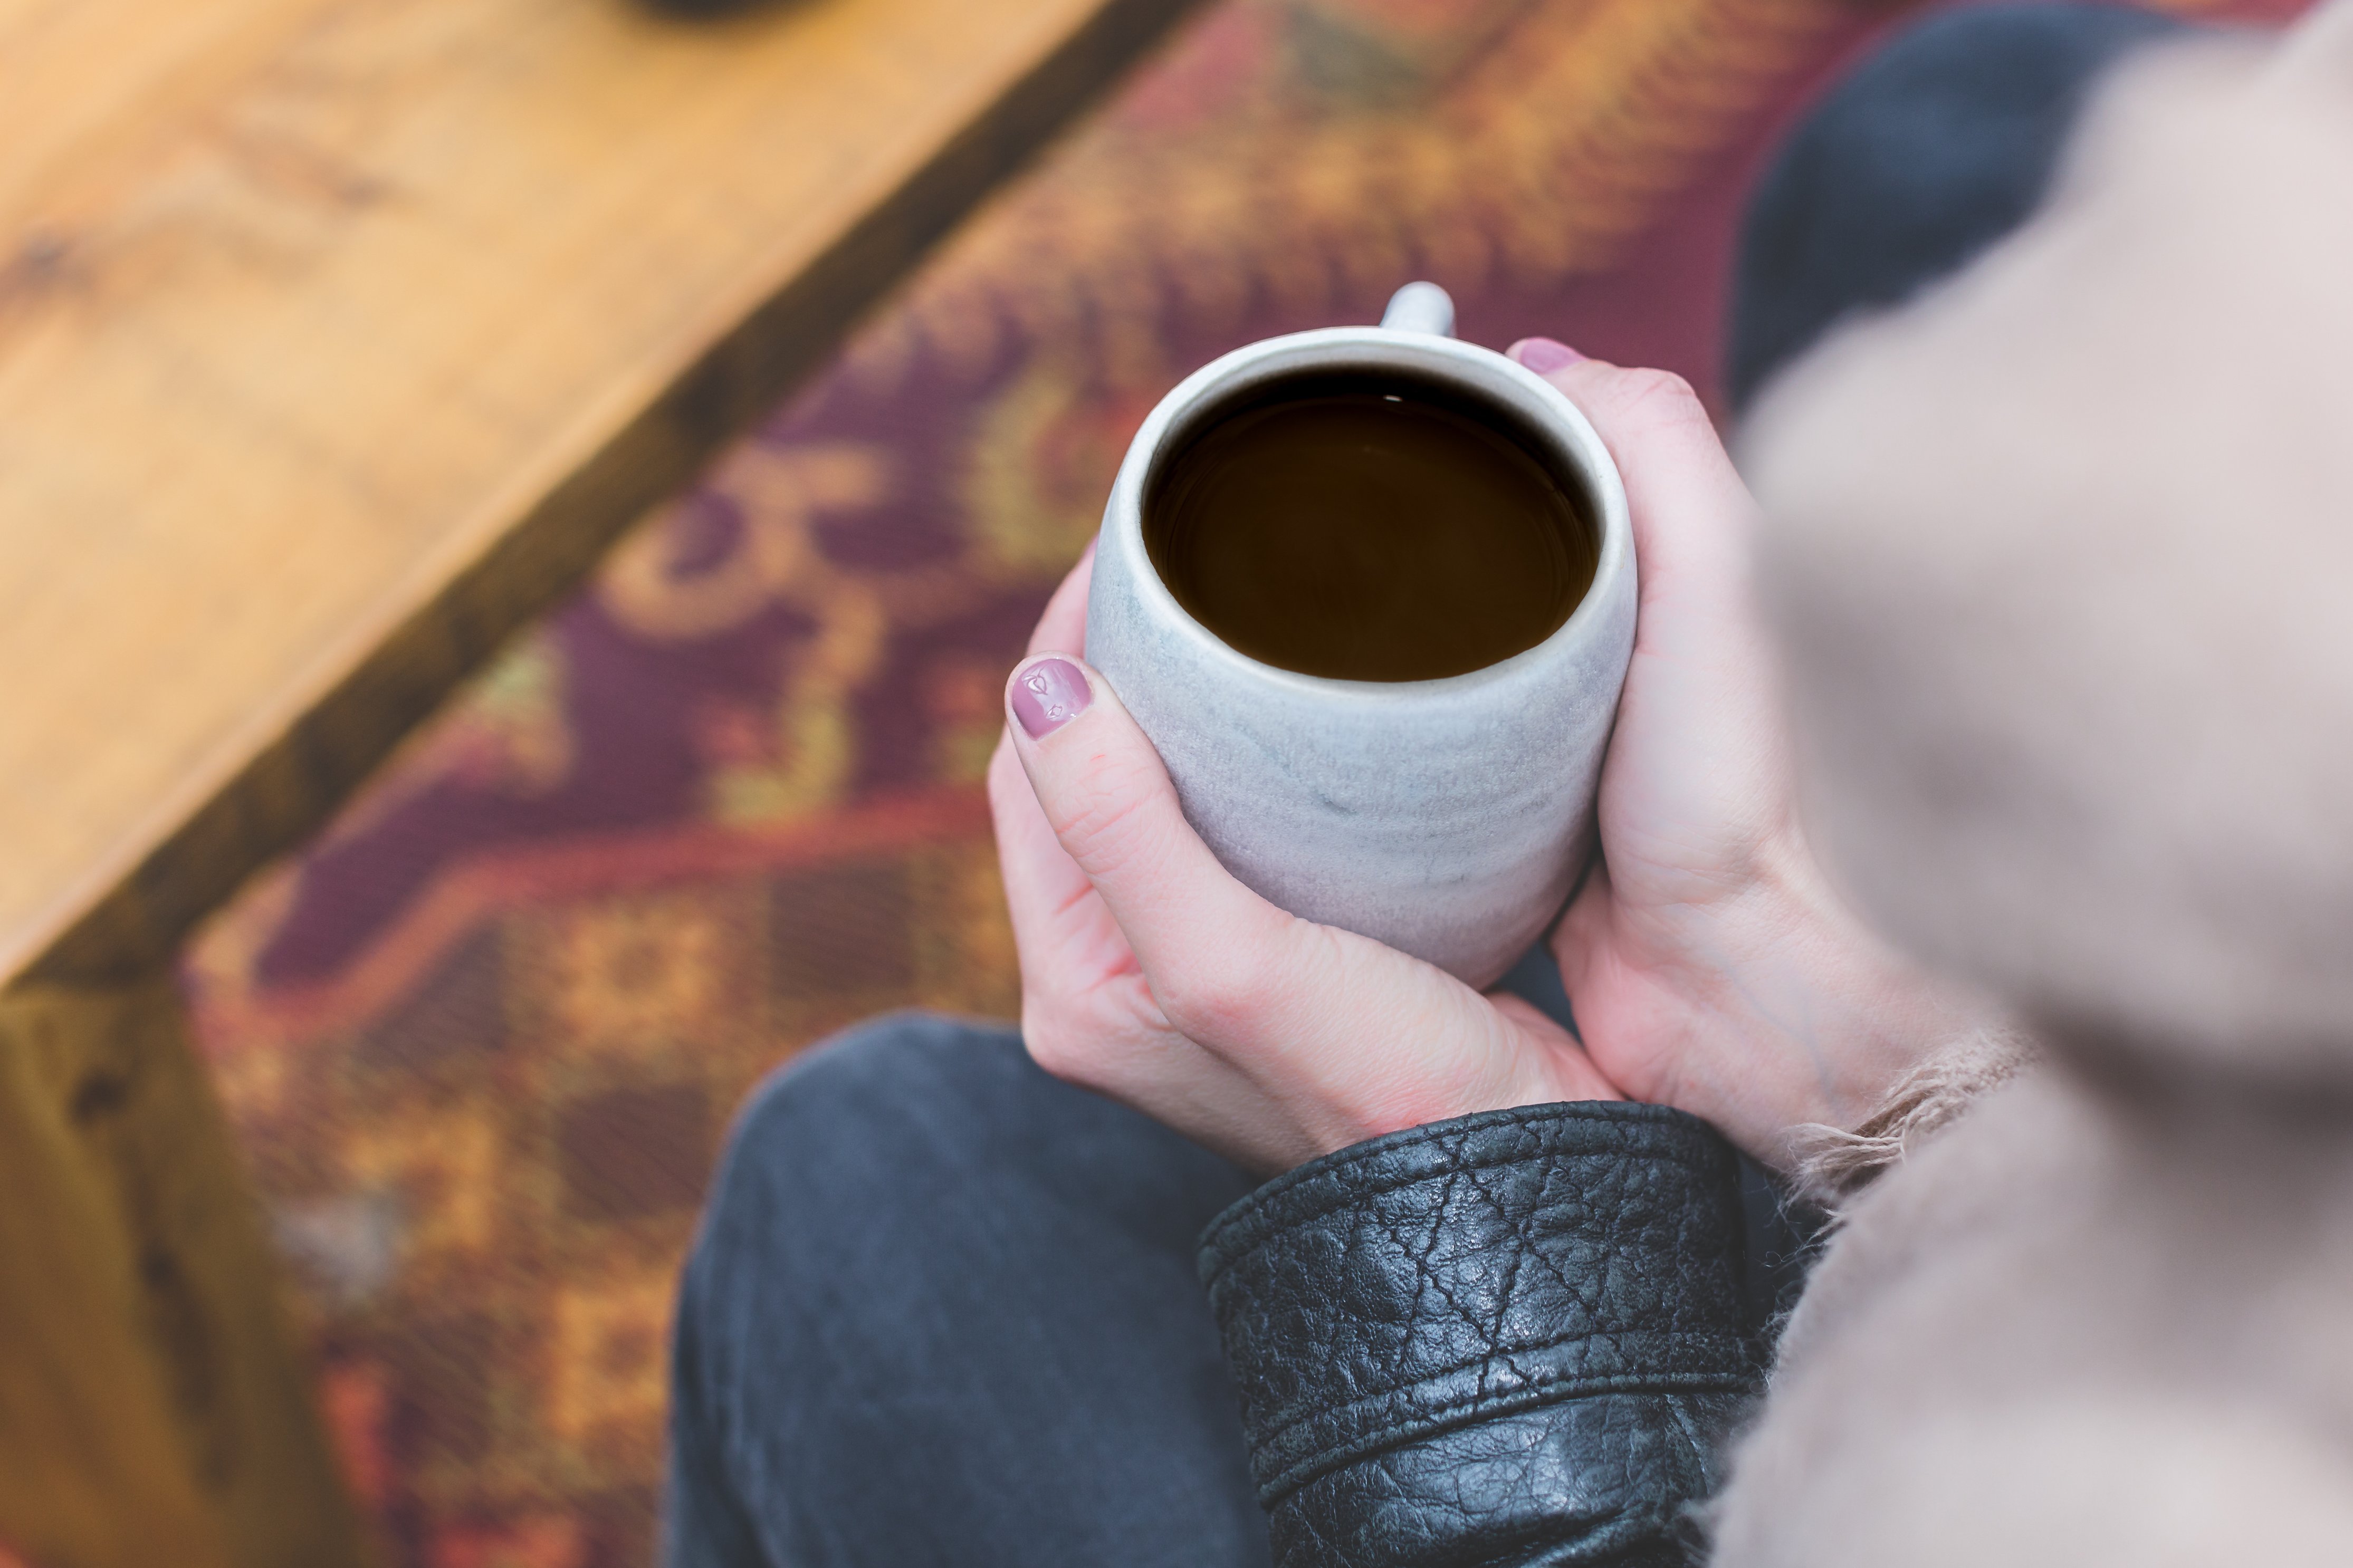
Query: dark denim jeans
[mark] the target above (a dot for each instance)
(943, 1308)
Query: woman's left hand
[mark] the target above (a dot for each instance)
(1150, 974)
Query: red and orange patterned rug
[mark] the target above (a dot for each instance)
(483, 1039)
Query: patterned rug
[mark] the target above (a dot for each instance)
(483, 1039)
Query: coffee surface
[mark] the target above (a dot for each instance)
(1368, 528)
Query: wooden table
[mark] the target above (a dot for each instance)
(336, 338)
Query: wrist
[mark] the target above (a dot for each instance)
(1766, 1011)
(1885, 1011)
(1822, 1023)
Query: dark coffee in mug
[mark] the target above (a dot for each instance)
(1369, 527)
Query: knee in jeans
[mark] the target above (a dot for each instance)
(857, 1087)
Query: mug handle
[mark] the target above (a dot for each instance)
(1420, 308)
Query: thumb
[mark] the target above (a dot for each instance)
(1692, 513)
(1112, 805)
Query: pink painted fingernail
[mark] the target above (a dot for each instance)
(1543, 355)
(1048, 695)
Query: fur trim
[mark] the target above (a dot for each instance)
(1834, 1164)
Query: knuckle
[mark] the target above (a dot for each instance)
(1661, 397)
(1221, 995)
(1648, 383)
(1046, 997)
(1060, 1049)
(1047, 1039)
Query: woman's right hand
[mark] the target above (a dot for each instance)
(1711, 966)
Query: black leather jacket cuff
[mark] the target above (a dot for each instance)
(1514, 1337)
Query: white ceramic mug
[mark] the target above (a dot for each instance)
(1448, 818)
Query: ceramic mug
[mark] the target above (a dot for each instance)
(1448, 818)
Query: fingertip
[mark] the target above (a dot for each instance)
(1543, 355)
(1046, 691)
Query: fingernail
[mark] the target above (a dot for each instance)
(1543, 355)
(1048, 695)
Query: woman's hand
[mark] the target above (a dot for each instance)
(1710, 966)
(1148, 972)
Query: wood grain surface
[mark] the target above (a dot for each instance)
(337, 336)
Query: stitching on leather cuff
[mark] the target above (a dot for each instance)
(1456, 1413)
(1549, 1378)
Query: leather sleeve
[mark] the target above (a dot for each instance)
(1514, 1338)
